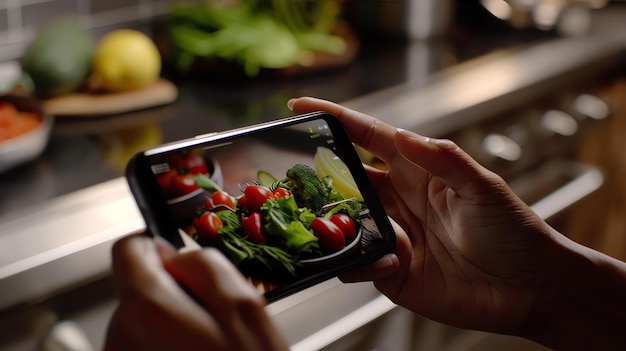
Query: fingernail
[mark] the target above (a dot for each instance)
(164, 247)
(290, 103)
(387, 261)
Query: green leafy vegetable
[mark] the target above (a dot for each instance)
(254, 33)
(351, 207)
(341, 203)
(240, 250)
(283, 219)
(206, 183)
(286, 220)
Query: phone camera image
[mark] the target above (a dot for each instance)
(281, 204)
(177, 177)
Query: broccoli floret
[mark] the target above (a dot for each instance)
(307, 188)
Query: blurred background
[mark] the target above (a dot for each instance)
(533, 89)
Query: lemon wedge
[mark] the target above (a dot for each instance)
(329, 164)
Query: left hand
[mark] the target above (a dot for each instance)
(184, 301)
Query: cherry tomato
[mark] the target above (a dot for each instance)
(165, 181)
(208, 204)
(328, 233)
(253, 227)
(208, 226)
(223, 198)
(256, 196)
(183, 184)
(193, 163)
(346, 224)
(279, 193)
(241, 202)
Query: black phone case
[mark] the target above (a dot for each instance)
(376, 235)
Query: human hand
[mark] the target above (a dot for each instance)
(184, 301)
(469, 252)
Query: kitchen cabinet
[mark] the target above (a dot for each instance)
(599, 221)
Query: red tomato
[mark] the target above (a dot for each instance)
(222, 198)
(253, 227)
(241, 202)
(279, 193)
(208, 204)
(183, 184)
(208, 226)
(346, 224)
(165, 180)
(193, 163)
(328, 233)
(256, 196)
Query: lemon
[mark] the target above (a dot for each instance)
(125, 59)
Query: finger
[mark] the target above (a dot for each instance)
(364, 130)
(385, 266)
(381, 268)
(227, 296)
(149, 293)
(134, 261)
(448, 162)
(376, 176)
(208, 272)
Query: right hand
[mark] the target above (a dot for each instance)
(469, 252)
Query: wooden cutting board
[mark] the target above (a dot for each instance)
(86, 104)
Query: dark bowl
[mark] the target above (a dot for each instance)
(351, 248)
(185, 208)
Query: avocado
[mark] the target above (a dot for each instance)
(59, 58)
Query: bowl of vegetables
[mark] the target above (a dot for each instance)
(24, 130)
(339, 226)
(180, 177)
(279, 227)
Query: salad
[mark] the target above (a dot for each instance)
(278, 221)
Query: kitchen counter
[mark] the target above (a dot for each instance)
(63, 212)
(88, 151)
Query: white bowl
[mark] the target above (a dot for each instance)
(30, 145)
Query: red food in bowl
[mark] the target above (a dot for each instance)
(14, 123)
(24, 130)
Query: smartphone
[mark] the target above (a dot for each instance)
(287, 201)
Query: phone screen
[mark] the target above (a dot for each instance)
(287, 202)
